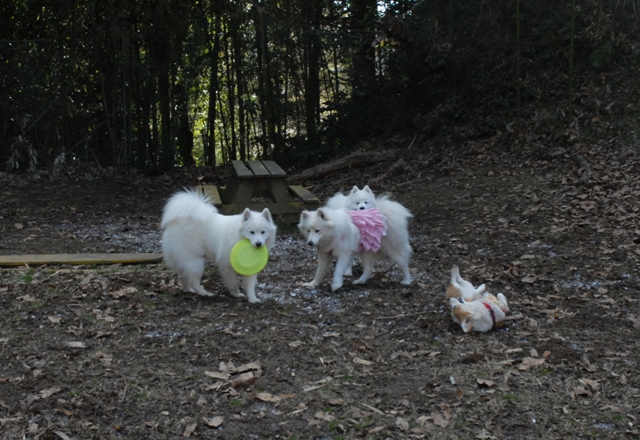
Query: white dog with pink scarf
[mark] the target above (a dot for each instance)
(372, 233)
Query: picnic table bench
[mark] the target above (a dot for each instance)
(259, 184)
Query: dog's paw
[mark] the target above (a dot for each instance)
(310, 285)
(237, 294)
(335, 287)
(254, 300)
(348, 273)
(204, 293)
(406, 282)
(359, 281)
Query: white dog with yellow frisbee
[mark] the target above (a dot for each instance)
(194, 232)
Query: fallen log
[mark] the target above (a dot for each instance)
(357, 159)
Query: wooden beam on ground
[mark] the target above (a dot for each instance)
(38, 260)
(354, 160)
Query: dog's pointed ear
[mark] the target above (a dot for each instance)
(304, 214)
(267, 214)
(322, 214)
(367, 189)
(246, 215)
(355, 189)
(466, 325)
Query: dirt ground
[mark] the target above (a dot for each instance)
(117, 352)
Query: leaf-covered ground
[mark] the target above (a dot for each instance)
(117, 352)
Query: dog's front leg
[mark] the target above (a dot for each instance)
(342, 265)
(324, 264)
(249, 283)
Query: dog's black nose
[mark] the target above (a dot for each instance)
(310, 243)
(362, 208)
(258, 244)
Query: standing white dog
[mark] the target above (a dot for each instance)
(194, 232)
(334, 233)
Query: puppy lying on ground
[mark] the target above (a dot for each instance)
(194, 232)
(479, 315)
(473, 308)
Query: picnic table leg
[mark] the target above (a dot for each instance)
(278, 190)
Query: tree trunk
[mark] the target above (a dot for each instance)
(210, 143)
(363, 25)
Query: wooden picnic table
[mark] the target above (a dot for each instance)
(259, 184)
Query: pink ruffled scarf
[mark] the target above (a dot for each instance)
(372, 226)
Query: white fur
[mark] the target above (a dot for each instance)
(460, 287)
(194, 232)
(474, 316)
(333, 233)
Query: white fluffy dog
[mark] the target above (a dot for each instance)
(335, 235)
(194, 232)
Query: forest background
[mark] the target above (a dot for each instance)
(155, 84)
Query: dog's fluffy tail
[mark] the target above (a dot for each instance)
(187, 205)
(396, 214)
(338, 201)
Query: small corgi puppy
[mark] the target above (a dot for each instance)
(461, 288)
(480, 315)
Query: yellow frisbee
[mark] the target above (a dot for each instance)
(247, 259)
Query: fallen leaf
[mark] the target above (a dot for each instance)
(295, 344)
(123, 292)
(62, 435)
(439, 419)
(54, 319)
(213, 422)
(324, 416)
(402, 424)
(190, 429)
(49, 392)
(268, 397)
(28, 298)
(75, 344)
(528, 363)
(250, 366)
(357, 360)
(244, 380)
(594, 385)
(486, 382)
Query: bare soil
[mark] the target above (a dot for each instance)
(118, 352)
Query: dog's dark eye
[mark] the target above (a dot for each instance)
(317, 231)
(252, 233)
(262, 232)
